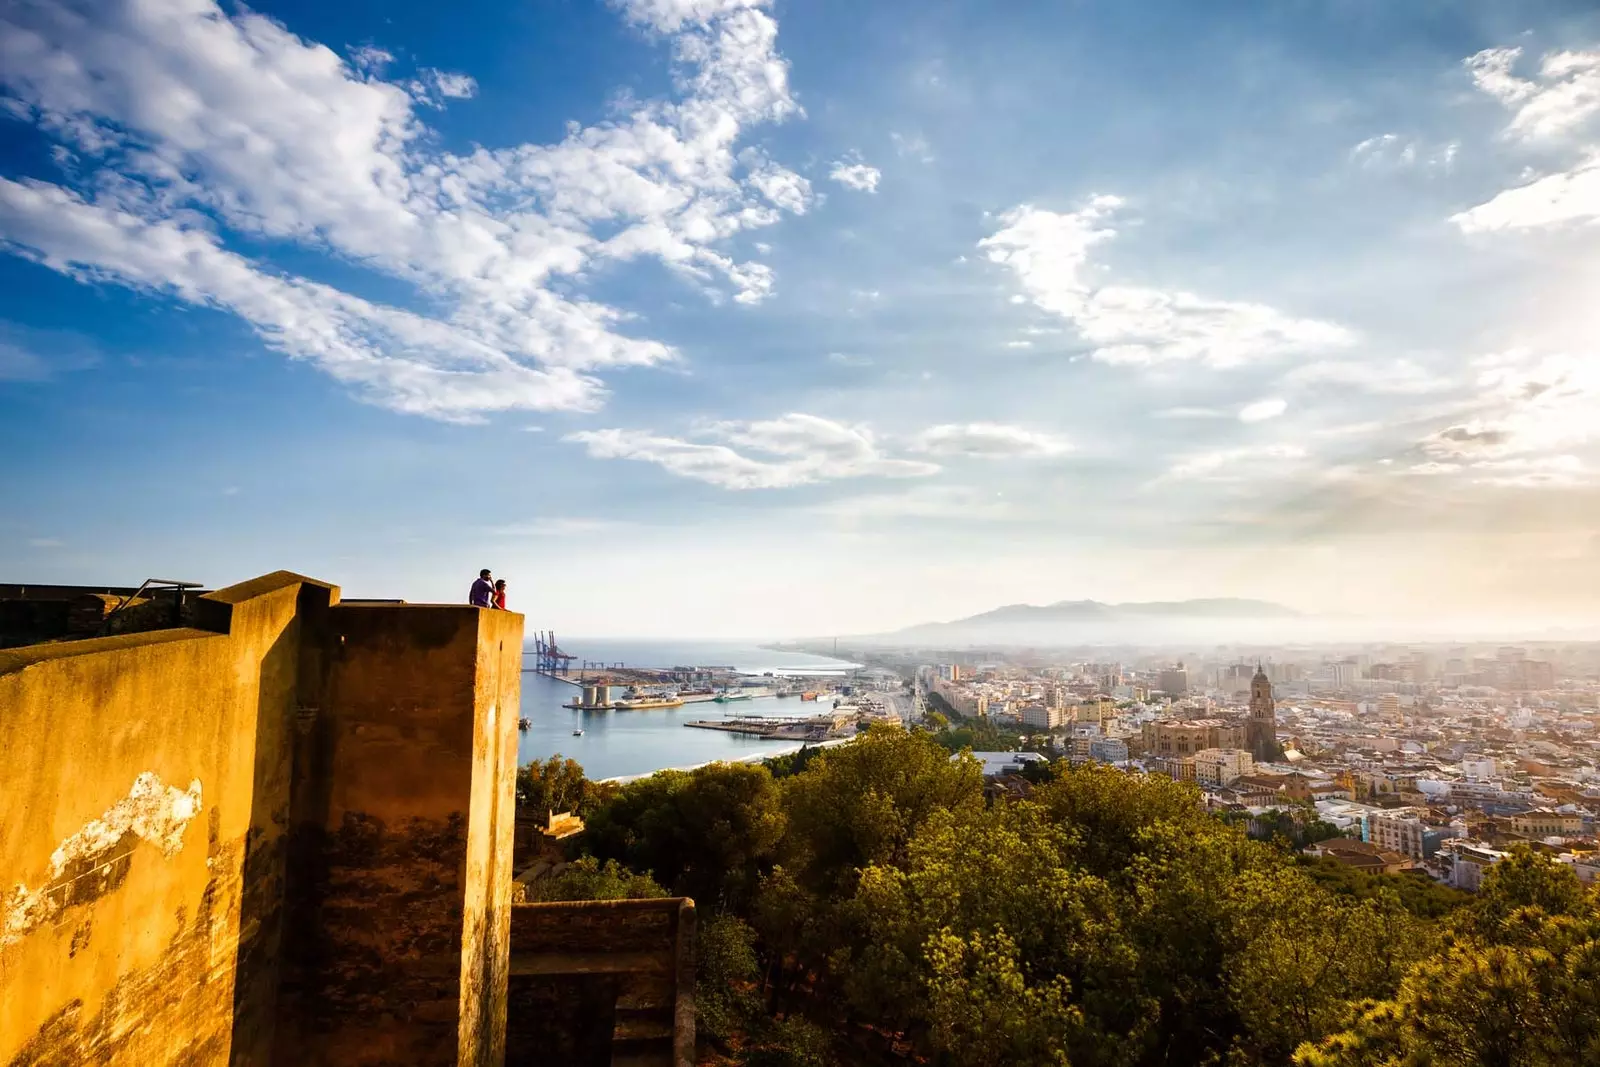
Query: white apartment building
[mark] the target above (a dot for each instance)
(1045, 717)
(1398, 830)
(1470, 861)
(1221, 766)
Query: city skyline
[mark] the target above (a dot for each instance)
(790, 319)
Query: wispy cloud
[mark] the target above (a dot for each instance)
(1225, 463)
(32, 355)
(1050, 254)
(923, 502)
(1262, 410)
(1190, 413)
(912, 146)
(1399, 376)
(988, 440)
(173, 105)
(1558, 104)
(1531, 410)
(1562, 96)
(852, 173)
(792, 450)
(1391, 152)
(557, 526)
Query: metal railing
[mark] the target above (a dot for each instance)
(178, 589)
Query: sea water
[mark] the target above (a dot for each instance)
(621, 743)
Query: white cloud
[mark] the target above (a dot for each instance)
(1529, 406)
(1526, 472)
(912, 146)
(1262, 410)
(1390, 151)
(391, 356)
(1222, 464)
(1564, 95)
(1559, 103)
(923, 502)
(1571, 196)
(370, 59)
(198, 120)
(433, 87)
(794, 449)
(670, 16)
(855, 174)
(1190, 413)
(988, 440)
(1050, 254)
(1401, 376)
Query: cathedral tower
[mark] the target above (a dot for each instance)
(1263, 729)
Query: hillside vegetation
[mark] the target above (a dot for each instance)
(874, 907)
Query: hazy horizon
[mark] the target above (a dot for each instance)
(737, 317)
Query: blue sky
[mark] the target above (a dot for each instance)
(715, 317)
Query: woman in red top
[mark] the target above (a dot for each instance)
(499, 599)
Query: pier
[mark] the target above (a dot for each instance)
(817, 728)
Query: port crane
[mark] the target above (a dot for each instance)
(548, 657)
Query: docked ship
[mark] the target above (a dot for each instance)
(647, 702)
(597, 697)
(728, 697)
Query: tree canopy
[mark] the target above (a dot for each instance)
(871, 905)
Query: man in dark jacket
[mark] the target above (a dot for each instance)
(482, 595)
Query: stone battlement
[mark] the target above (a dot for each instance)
(280, 833)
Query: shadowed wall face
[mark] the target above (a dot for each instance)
(281, 838)
(399, 878)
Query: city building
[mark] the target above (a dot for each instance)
(1408, 830)
(1468, 862)
(1221, 766)
(996, 764)
(1361, 855)
(1263, 724)
(1547, 822)
(1108, 749)
(1185, 737)
(1174, 681)
(1044, 716)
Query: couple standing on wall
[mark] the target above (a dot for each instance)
(488, 593)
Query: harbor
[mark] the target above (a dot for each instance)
(782, 685)
(845, 720)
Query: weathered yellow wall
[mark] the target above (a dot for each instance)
(400, 881)
(136, 769)
(282, 838)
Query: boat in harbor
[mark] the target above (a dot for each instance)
(646, 703)
(808, 695)
(578, 732)
(730, 697)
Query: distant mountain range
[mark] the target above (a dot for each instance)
(1073, 620)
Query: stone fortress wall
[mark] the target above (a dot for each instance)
(279, 835)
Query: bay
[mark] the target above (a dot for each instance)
(622, 743)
